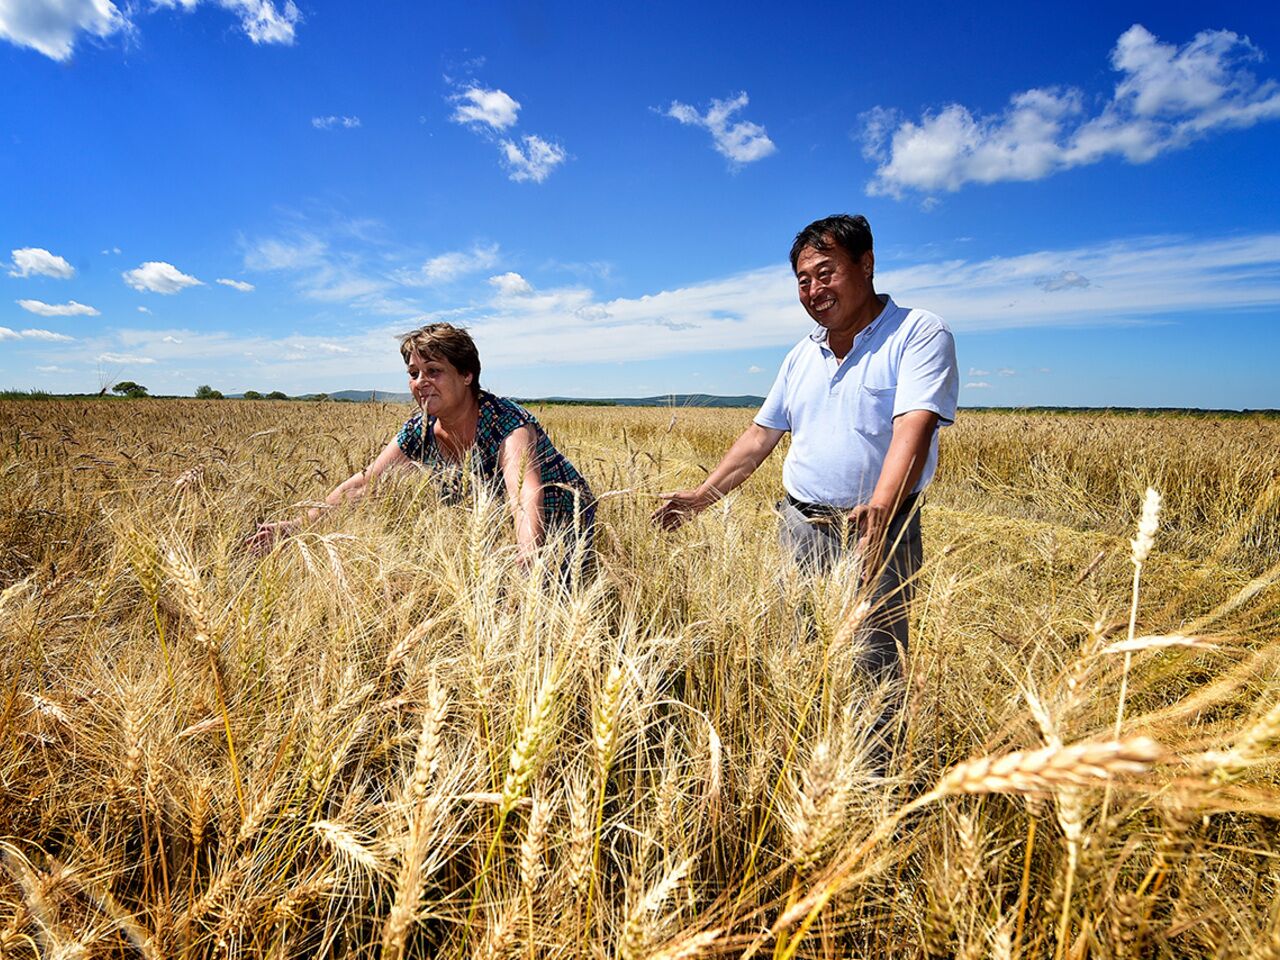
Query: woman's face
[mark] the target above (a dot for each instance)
(437, 385)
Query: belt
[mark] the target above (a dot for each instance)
(824, 511)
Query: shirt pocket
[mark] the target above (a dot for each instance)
(875, 409)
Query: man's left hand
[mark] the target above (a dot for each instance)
(871, 522)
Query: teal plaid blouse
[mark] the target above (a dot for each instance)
(499, 417)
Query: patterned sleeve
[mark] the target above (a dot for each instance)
(409, 439)
(508, 417)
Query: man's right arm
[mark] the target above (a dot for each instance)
(747, 453)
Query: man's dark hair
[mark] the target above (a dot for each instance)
(850, 234)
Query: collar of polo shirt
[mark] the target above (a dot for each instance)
(819, 334)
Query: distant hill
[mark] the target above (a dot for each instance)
(669, 400)
(381, 396)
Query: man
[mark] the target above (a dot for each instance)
(863, 395)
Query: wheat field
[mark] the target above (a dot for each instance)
(387, 738)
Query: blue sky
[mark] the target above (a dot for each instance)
(259, 195)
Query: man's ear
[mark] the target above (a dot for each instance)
(868, 263)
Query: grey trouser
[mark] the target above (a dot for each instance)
(816, 547)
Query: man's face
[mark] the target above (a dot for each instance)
(834, 288)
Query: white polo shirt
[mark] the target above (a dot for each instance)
(840, 414)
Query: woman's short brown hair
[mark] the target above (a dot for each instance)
(444, 341)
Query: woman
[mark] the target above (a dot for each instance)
(462, 429)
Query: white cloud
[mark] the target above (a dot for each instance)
(47, 335)
(262, 20)
(975, 372)
(51, 26)
(492, 109)
(144, 310)
(332, 348)
(447, 267)
(1135, 281)
(1007, 372)
(328, 123)
(53, 368)
(489, 112)
(511, 285)
(170, 339)
(743, 142)
(35, 260)
(123, 358)
(979, 385)
(1065, 280)
(242, 285)
(111, 251)
(592, 312)
(1167, 98)
(71, 309)
(754, 369)
(159, 277)
(534, 161)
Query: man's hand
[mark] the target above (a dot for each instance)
(261, 541)
(871, 521)
(680, 506)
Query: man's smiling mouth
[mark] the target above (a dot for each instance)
(824, 305)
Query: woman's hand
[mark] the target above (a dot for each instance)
(261, 542)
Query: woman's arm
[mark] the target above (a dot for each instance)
(522, 476)
(349, 490)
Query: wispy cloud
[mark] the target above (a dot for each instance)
(71, 309)
(328, 123)
(124, 358)
(30, 261)
(978, 385)
(243, 286)
(1065, 280)
(329, 263)
(447, 267)
(46, 335)
(741, 143)
(263, 21)
(1166, 98)
(1133, 281)
(534, 160)
(157, 276)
